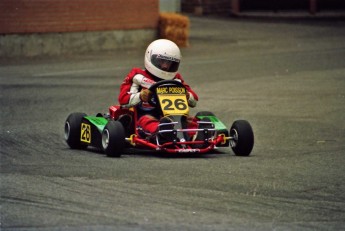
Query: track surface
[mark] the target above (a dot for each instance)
(285, 78)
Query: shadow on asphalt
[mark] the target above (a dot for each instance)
(160, 154)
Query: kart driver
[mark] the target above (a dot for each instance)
(162, 60)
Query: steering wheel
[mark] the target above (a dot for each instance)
(154, 100)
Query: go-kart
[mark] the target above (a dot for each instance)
(115, 131)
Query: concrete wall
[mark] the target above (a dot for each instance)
(49, 27)
(173, 6)
(73, 42)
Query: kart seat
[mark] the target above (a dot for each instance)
(127, 123)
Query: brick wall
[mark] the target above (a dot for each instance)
(48, 16)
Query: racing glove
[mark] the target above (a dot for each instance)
(191, 101)
(145, 95)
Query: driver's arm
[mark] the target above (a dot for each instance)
(130, 91)
(191, 95)
(191, 100)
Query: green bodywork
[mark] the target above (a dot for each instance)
(217, 123)
(99, 122)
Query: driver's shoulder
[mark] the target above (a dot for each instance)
(136, 71)
(178, 77)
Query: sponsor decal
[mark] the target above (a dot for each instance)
(146, 82)
(177, 90)
(171, 90)
(169, 58)
(162, 90)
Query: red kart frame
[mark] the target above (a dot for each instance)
(117, 112)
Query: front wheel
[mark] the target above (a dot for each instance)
(113, 139)
(242, 138)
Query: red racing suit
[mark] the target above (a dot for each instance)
(138, 79)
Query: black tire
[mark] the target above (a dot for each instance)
(243, 138)
(72, 130)
(204, 113)
(113, 139)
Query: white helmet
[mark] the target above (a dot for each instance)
(162, 58)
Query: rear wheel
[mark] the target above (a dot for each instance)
(73, 129)
(113, 139)
(242, 135)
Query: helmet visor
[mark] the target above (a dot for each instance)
(165, 63)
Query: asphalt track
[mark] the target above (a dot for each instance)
(287, 78)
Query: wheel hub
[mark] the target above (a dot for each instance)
(67, 130)
(234, 138)
(105, 138)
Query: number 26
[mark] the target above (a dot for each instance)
(179, 104)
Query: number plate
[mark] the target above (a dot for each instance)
(173, 100)
(85, 134)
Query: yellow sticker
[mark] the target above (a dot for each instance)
(173, 104)
(85, 134)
